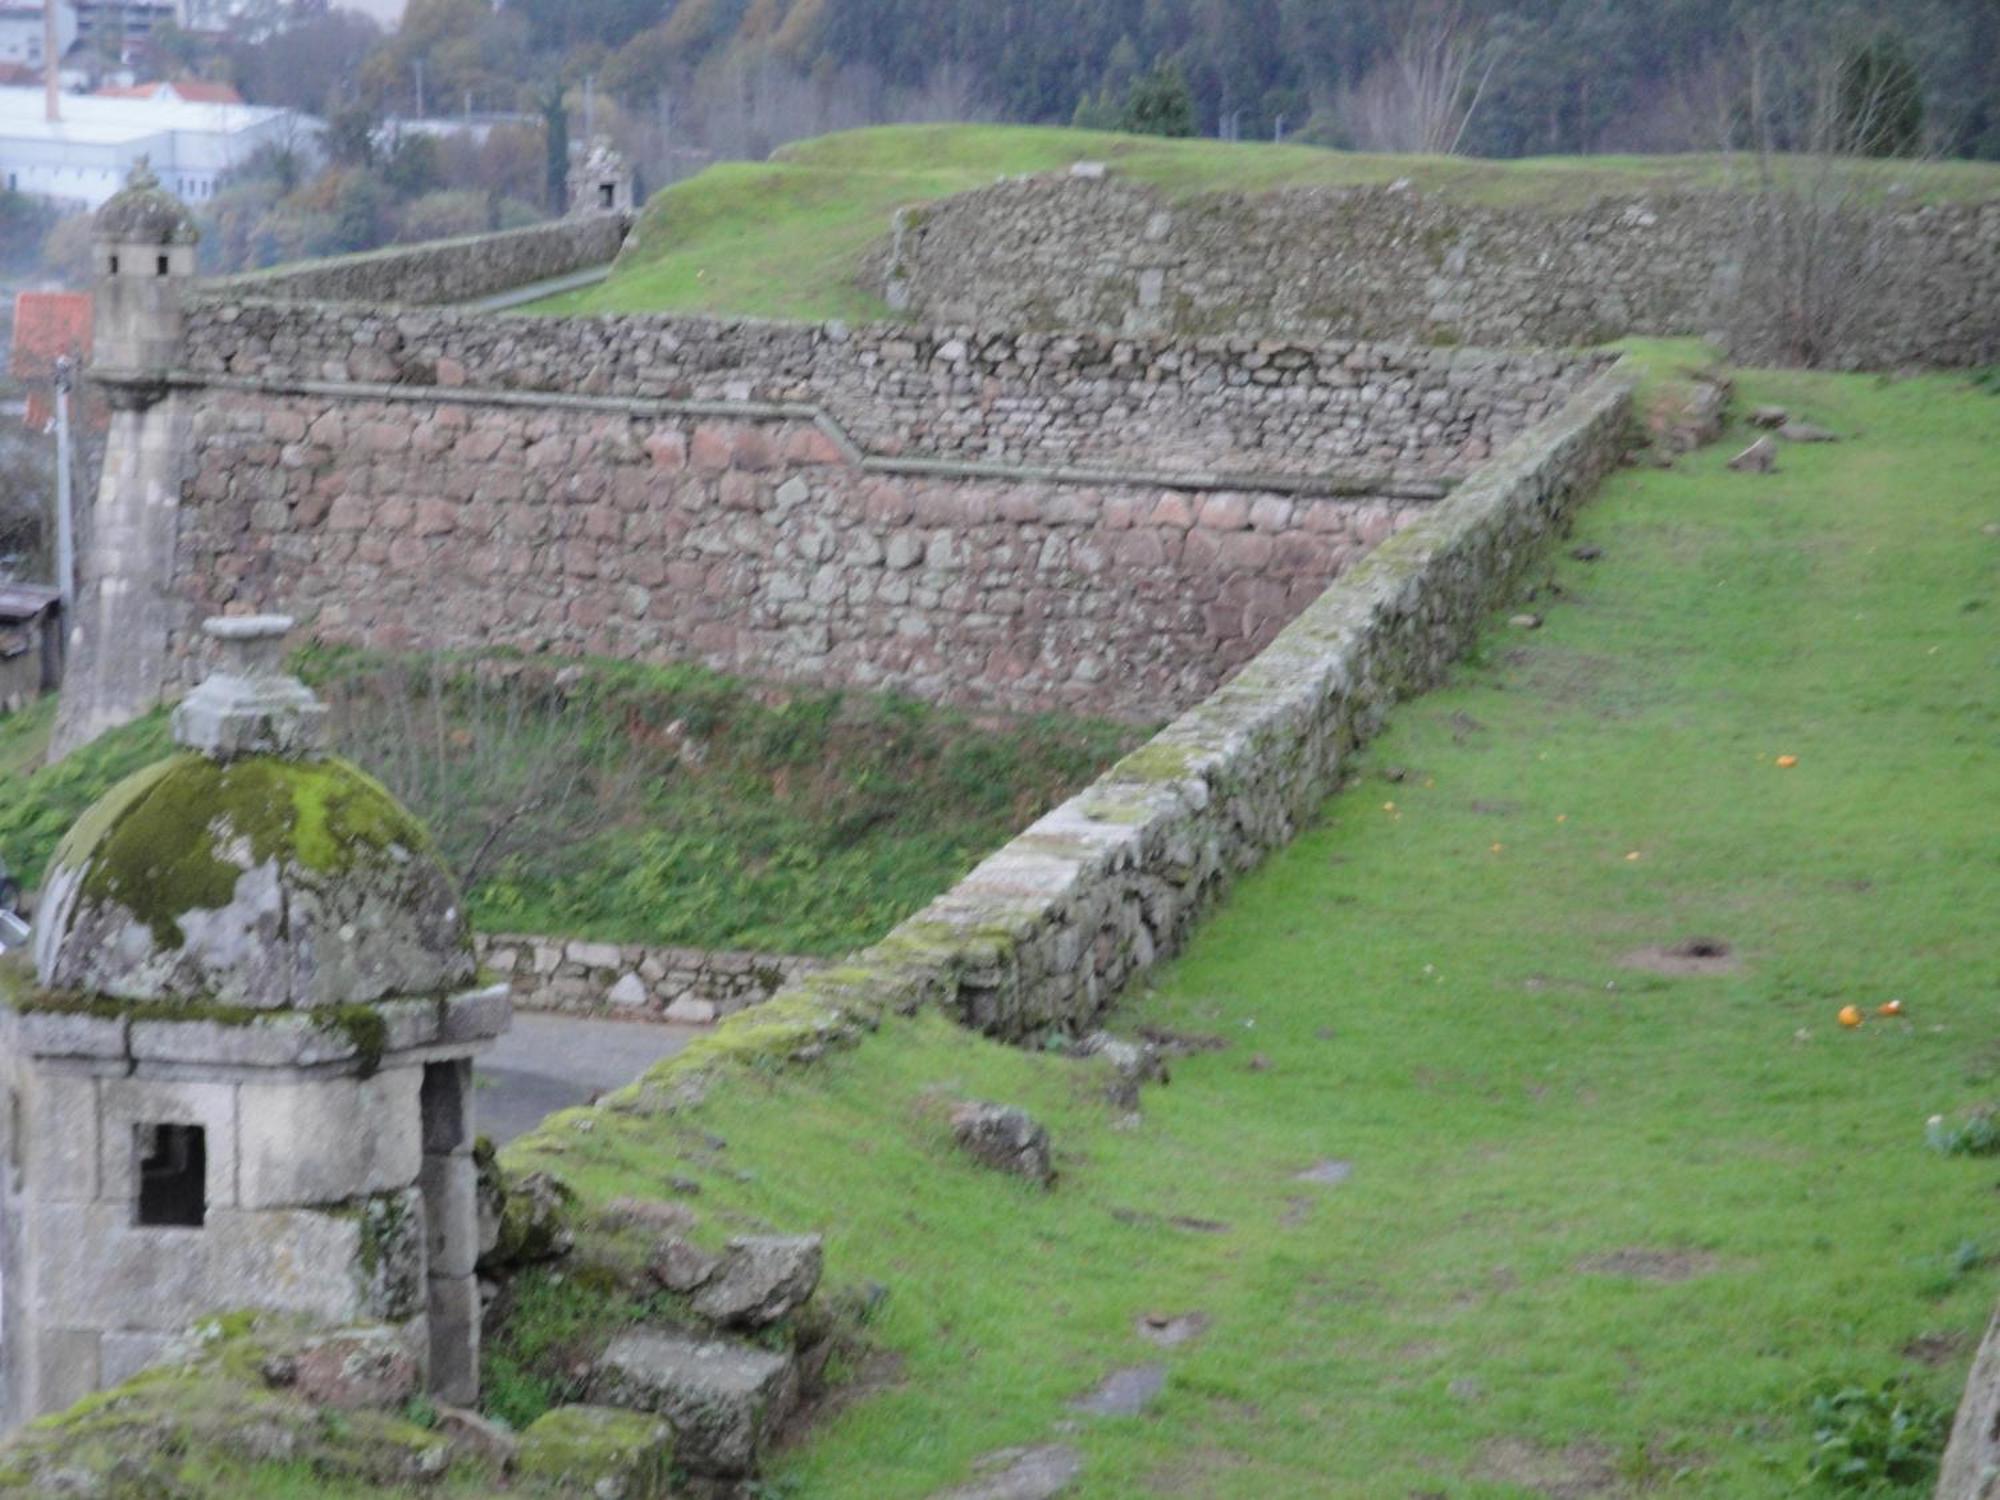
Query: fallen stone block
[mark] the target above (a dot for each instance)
(469, 1433)
(1134, 1065)
(1806, 432)
(681, 1267)
(725, 1400)
(762, 1278)
(1005, 1139)
(601, 1451)
(354, 1369)
(1123, 1393)
(534, 1223)
(1770, 418)
(1759, 458)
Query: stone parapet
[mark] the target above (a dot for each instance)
(1048, 930)
(441, 271)
(1398, 263)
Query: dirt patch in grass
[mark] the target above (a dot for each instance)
(1201, 1471)
(1637, 1263)
(1183, 1043)
(872, 1372)
(1581, 1471)
(1936, 1349)
(1696, 958)
(1169, 1331)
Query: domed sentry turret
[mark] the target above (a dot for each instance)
(143, 242)
(240, 1074)
(251, 869)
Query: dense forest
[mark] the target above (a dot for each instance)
(1555, 76)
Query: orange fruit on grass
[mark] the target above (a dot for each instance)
(1850, 1015)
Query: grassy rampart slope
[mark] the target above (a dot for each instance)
(1606, 1220)
(786, 238)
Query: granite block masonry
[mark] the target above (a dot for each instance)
(1009, 522)
(1049, 929)
(1398, 263)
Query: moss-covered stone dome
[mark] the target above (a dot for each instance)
(261, 882)
(142, 212)
(252, 871)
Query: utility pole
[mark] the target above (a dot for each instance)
(65, 520)
(1278, 133)
(51, 63)
(589, 109)
(417, 66)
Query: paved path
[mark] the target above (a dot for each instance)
(550, 1062)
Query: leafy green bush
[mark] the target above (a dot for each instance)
(1872, 1437)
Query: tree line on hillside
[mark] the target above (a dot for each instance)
(1554, 77)
(680, 83)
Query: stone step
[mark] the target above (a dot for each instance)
(725, 1400)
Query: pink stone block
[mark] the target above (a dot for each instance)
(710, 448)
(668, 449)
(1224, 513)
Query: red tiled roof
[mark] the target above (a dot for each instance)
(195, 91)
(47, 324)
(188, 90)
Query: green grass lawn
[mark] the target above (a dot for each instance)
(1604, 1227)
(786, 238)
(671, 805)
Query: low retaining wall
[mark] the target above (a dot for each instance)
(635, 981)
(1045, 932)
(441, 271)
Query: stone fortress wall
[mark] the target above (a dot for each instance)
(1048, 929)
(635, 981)
(1394, 262)
(445, 271)
(1007, 521)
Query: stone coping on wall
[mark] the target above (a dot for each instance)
(635, 981)
(1047, 931)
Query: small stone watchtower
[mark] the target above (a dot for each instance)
(240, 1075)
(602, 182)
(143, 242)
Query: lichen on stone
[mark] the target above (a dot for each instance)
(262, 882)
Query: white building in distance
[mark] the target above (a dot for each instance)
(21, 31)
(85, 157)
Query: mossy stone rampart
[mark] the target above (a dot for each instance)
(263, 882)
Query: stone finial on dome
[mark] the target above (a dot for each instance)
(143, 212)
(251, 705)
